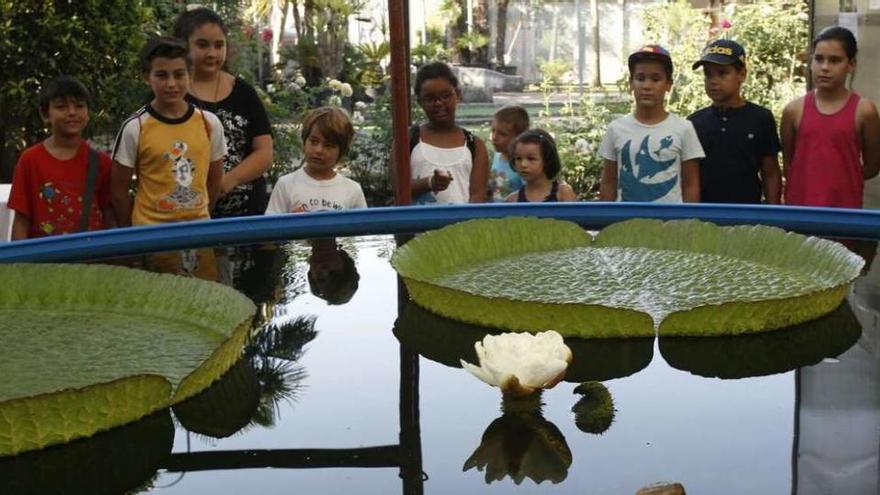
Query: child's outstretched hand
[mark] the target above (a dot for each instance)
(440, 180)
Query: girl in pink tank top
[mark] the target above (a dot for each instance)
(829, 155)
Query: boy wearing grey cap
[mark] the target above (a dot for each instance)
(738, 137)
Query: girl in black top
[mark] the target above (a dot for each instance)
(535, 160)
(245, 123)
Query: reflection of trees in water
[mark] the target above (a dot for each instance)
(273, 354)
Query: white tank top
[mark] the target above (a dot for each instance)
(457, 161)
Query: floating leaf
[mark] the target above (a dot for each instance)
(89, 347)
(684, 277)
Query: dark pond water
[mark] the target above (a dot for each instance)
(366, 396)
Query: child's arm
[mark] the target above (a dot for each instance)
(690, 181)
(480, 174)
(608, 183)
(870, 137)
(21, 227)
(771, 179)
(788, 131)
(215, 181)
(252, 167)
(120, 199)
(566, 193)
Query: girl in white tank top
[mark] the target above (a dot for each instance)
(445, 170)
(456, 162)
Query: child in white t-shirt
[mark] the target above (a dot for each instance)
(651, 154)
(327, 134)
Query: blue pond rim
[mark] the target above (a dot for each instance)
(828, 222)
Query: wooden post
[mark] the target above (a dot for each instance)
(400, 119)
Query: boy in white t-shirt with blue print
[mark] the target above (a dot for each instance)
(327, 134)
(650, 155)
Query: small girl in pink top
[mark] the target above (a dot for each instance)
(830, 142)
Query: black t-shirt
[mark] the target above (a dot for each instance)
(734, 141)
(243, 117)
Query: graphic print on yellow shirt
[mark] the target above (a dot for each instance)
(182, 169)
(172, 166)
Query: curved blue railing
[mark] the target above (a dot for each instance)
(832, 222)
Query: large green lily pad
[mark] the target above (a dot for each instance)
(638, 277)
(89, 347)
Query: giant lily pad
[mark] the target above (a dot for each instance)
(89, 347)
(638, 277)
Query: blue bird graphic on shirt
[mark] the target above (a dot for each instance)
(632, 184)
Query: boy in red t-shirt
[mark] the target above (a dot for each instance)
(49, 187)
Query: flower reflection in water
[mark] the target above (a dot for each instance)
(522, 444)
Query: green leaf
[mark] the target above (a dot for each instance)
(684, 277)
(90, 347)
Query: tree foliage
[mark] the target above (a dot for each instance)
(773, 32)
(96, 41)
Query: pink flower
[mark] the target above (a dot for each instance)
(725, 24)
(266, 35)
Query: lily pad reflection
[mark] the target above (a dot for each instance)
(767, 353)
(225, 407)
(448, 341)
(112, 462)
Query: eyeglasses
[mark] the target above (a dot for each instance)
(441, 98)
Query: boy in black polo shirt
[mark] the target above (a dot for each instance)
(739, 137)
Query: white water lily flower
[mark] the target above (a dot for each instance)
(521, 363)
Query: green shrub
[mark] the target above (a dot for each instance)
(94, 41)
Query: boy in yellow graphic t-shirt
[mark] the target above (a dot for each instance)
(175, 149)
(177, 152)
